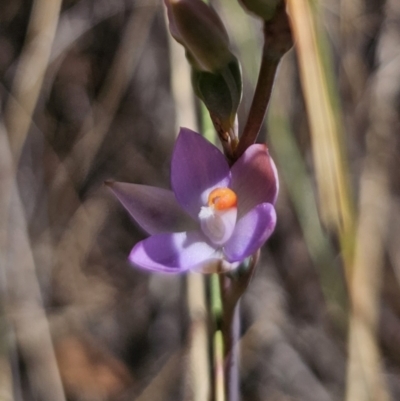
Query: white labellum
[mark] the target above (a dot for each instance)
(217, 225)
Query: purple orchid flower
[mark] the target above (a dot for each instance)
(214, 218)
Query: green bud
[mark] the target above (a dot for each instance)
(199, 29)
(221, 93)
(262, 8)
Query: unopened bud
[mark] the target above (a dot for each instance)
(199, 29)
(262, 8)
(221, 93)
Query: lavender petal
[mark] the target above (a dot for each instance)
(251, 231)
(197, 168)
(154, 209)
(172, 253)
(254, 179)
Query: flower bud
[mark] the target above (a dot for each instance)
(262, 8)
(221, 93)
(199, 29)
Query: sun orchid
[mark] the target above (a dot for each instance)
(215, 217)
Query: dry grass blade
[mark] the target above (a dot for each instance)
(393, 245)
(121, 71)
(73, 171)
(352, 64)
(299, 186)
(364, 374)
(6, 180)
(30, 72)
(24, 302)
(80, 19)
(31, 326)
(160, 385)
(334, 193)
(197, 383)
(6, 390)
(73, 248)
(219, 366)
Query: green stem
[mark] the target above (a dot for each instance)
(218, 344)
(219, 376)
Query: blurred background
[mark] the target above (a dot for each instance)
(88, 92)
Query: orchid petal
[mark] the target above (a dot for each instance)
(251, 231)
(154, 209)
(172, 253)
(197, 168)
(254, 179)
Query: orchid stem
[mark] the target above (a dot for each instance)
(231, 334)
(217, 339)
(216, 301)
(232, 287)
(277, 41)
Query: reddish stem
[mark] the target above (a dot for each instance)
(232, 288)
(277, 41)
